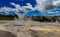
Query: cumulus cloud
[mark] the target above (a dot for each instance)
(5, 9)
(40, 5)
(28, 8)
(23, 8)
(56, 3)
(44, 5)
(17, 8)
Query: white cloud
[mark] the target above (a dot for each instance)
(5, 9)
(56, 3)
(17, 8)
(40, 5)
(23, 8)
(43, 4)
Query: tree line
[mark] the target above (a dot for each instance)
(34, 18)
(6, 17)
(44, 18)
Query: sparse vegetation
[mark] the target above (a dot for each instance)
(45, 18)
(6, 17)
(34, 18)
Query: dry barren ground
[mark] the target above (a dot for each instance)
(31, 29)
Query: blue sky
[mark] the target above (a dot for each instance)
(6, 3)
(20, 2)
